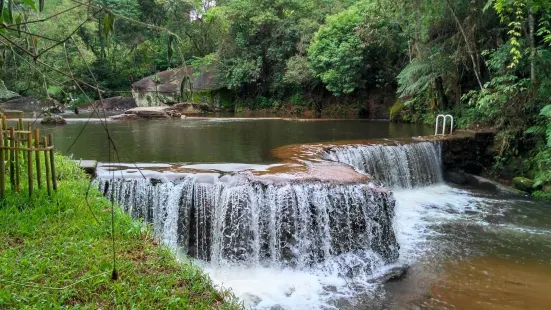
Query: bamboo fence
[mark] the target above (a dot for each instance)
(17, 149)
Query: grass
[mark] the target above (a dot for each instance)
(54, 254)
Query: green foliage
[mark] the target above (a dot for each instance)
(62, 245)
(334, 54)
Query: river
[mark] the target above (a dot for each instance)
(467, 248)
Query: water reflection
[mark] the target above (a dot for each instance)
(216, 140)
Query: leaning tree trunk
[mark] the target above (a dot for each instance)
(469, 49)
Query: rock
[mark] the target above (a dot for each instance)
(188, 108)
(251, 299)
(523, 184)
(394, 274)
(118, 103)
(149, 113)
(26, 104)
(124, 117)
(5, 93)
(546, 188)
(485, 184)
(53, 120)
(174, 114)
(456, 177)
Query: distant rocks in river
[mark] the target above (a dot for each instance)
(147, 113)
(28, 104)
(118, 103)
(165, 112)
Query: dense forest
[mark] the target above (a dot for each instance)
(487, 62)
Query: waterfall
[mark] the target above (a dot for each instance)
(236, 219)
(398, 166)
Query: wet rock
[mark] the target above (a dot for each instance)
(485, 184)
(53, 120)
(455, 177)
(394, 274)
(277, 307)
(251, 299)
(290, 291)
(523, 184)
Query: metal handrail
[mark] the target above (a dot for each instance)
(445, 117)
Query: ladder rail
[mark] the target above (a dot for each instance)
(445, 118)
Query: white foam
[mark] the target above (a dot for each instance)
(417, 210)
(264, 288)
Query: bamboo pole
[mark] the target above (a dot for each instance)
(6, 141)
(37, 145)
(52, 161)
(19, 128)
(2, 163)
(11, 159)
(47, 164)
(30, 164)
(17, 168)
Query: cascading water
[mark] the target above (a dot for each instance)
(398, 166)
(233, 219)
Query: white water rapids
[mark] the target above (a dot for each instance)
(305, 245)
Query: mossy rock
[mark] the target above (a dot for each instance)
(523, 184)
(396, 112)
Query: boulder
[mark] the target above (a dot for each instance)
(5, 93)
(26, 104)
(523, 184)
(53, 120)
(489, 185)
(455, 176)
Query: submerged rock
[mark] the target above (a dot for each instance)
(53, 120)
(523, 184)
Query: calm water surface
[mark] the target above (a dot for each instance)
(228, 140)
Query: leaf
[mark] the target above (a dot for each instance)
(30, 3)
(546, 111)
(108, 24)
(487, 6)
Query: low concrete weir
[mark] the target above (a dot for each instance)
(323, 207)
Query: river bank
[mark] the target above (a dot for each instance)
(58, 252)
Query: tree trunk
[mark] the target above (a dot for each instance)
(469, 49)
(531, 30)
(441, 92)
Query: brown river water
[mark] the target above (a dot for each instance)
(467, 248)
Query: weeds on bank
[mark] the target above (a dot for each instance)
(56, 252)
